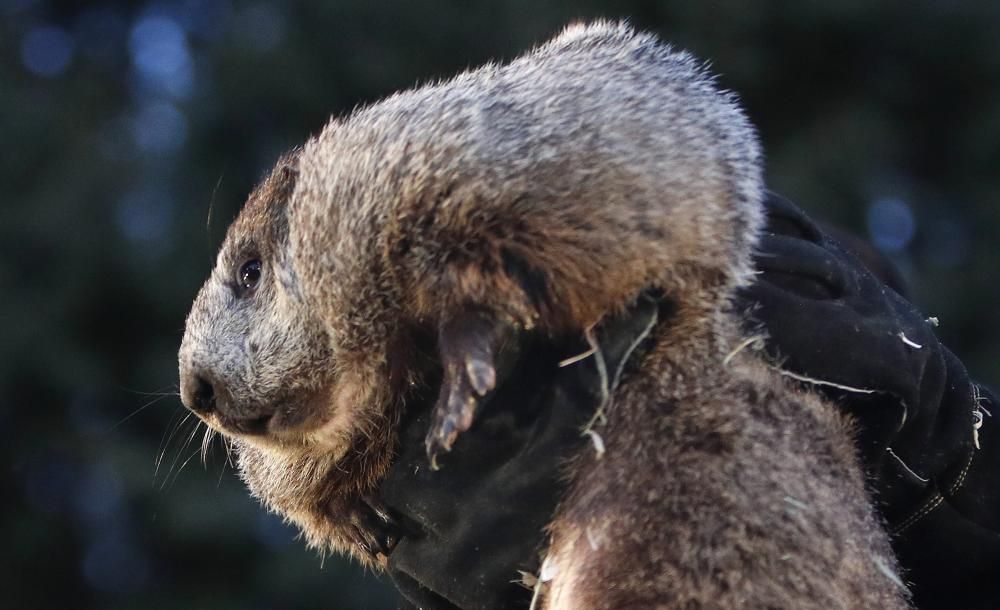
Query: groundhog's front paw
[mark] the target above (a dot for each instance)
(469, 343)
(371, 527)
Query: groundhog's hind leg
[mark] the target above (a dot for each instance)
(469, 343)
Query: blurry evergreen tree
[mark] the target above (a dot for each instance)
(125, 123)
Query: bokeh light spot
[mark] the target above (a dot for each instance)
(160, 56)
(891, 224)
(47, 51)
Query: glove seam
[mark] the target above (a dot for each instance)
(932, 503)
(960, 480)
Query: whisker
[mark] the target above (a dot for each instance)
(161, 392)
(181, 469)
(222, 470)
(206, 442)
(211, 208)
(228, 444)
(137, 411)
(180, 451)
(195, 452)
(167, 437)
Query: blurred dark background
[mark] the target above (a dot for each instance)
(122, 123)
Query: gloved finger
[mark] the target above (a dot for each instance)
(784, 218)
(945, 411)
(801, 267)
(871, 340)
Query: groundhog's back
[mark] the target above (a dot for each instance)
(602, 163)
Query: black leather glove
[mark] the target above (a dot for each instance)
(832, 321)
(471, 526)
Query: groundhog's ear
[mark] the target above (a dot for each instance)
(287, 173)
(287, 176)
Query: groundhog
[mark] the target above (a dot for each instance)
(545, 194)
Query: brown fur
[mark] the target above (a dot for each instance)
(749, 495)
(549, 193)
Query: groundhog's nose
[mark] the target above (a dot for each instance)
(204, 396)
(197, 393)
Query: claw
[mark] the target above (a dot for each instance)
(469, 343)
(482, 375)
(374, 530)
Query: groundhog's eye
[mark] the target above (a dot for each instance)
(248, 276)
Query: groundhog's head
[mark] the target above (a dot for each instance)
(254, 360)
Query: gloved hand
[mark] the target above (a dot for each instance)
(472, 526)
(828, 321)
(831, 321)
